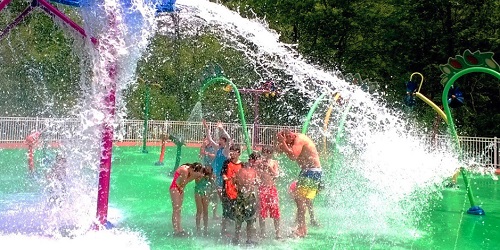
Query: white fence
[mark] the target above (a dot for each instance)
(193, 132)
(15, 130)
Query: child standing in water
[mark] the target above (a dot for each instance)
(268, 193)
(182, 176)
(207, 156)
(245, 206)
(201, 196)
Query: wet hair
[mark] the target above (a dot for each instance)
(267, 150)
(254, 156)
(286, 131)
(235, 148)
(207, 171)
(196, 166)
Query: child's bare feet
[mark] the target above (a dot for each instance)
(315, 223)
(298, 233)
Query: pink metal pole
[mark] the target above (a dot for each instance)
(4, 3)
(47, 7)
(107, 132)
(16, 21)
(106, 151)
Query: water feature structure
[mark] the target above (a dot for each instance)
(219, 78)
(378, 191)
(268, 90)
(460, 65)
(109, 51)
(467, 63)
(147, 97)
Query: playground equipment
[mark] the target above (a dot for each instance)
(412, 91)
(355, 79)
(113, 20)
(326, 121)
(455, 68)
(460, 65)
(218, 77)
(163, 138)
(179, 142)
(305, 126)
(147, 97)
(439, 111)
(47, 8)
(452, 97)
(268, 89)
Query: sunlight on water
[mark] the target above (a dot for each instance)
(388, 168)
(63, 210)
(379, 184)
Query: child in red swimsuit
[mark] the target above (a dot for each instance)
(182, 176)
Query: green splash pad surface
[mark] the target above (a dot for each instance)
(139, 189)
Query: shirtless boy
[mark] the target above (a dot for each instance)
(268, 194)
(246, 204)
(301, 149)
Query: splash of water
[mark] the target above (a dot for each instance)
(196, 114)
(388, 170)
(64, 208)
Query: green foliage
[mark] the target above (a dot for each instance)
(384, 41)
(178, 66)
(40, 71)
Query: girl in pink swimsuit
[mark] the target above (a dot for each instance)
(182, 176)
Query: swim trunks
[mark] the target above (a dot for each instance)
(309, 182)
(269, 201)
(246, 207)
(228, 207)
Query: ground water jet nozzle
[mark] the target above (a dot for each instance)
(476, 210)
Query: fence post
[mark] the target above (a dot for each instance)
(495, 150)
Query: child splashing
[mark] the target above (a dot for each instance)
(201, 196)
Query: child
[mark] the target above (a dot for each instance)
(201, 196)
(182, 176)
(268, 194)
(207, 156)
(245, 208)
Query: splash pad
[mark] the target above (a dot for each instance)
(376, 202)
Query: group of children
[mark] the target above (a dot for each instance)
(247, 191)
